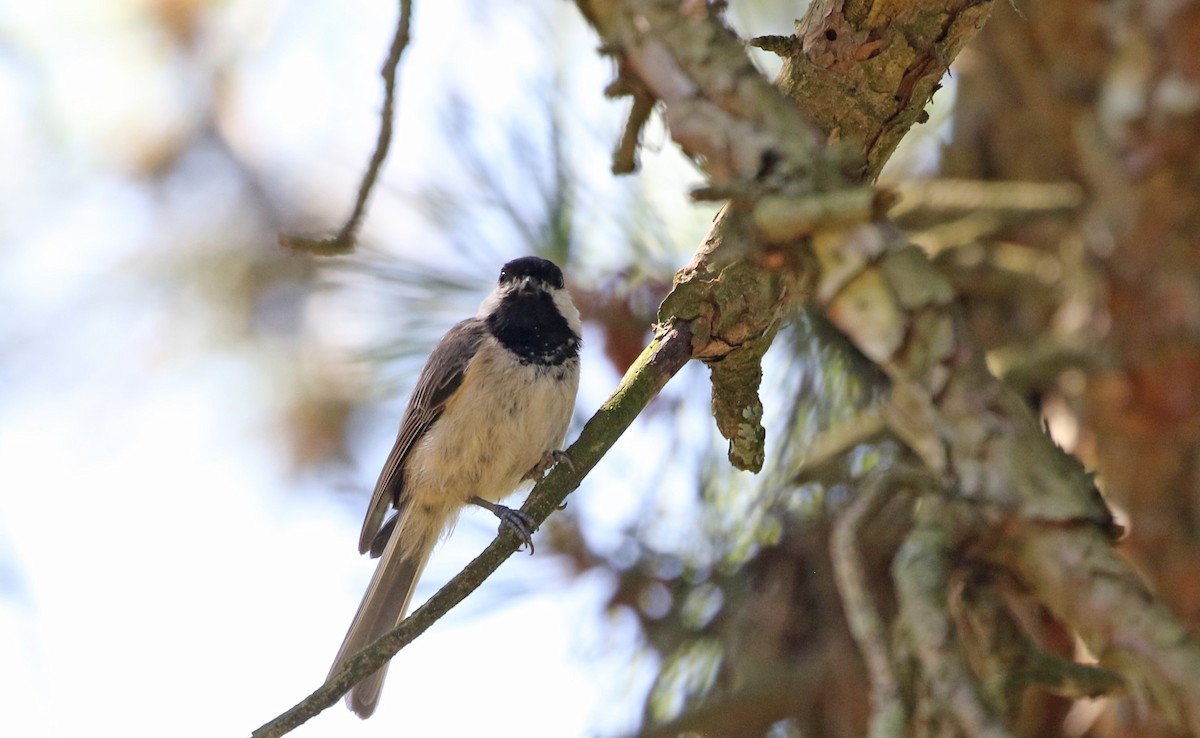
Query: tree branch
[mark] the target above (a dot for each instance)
(1083, 580)
(889, 716)
(346, 239)
(624, 159)
(921, 583)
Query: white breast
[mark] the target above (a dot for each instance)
(500, 423)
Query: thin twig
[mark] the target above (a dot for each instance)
(1068, 678)
(781, 219)
(346, 238)
(659, 362)
(832, 442)
(888, 716)
(625, 159)
(966, 195)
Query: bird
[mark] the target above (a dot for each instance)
(490, 410)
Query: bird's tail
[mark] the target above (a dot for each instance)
(383, 606)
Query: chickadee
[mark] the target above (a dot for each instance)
(490, 410)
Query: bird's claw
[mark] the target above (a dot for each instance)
(549, 459)
(514, 520)
(560, 457)
(518, 522)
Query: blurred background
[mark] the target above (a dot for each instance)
(192, 417)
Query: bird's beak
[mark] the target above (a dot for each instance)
(527, 286)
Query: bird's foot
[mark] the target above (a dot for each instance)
(549, 459)
(516, 521)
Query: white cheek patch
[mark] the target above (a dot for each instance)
(562, 300)
(491, 303)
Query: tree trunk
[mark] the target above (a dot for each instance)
(1108, 96)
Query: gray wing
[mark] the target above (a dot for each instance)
(442, 375)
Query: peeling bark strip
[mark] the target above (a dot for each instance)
(863, 71)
